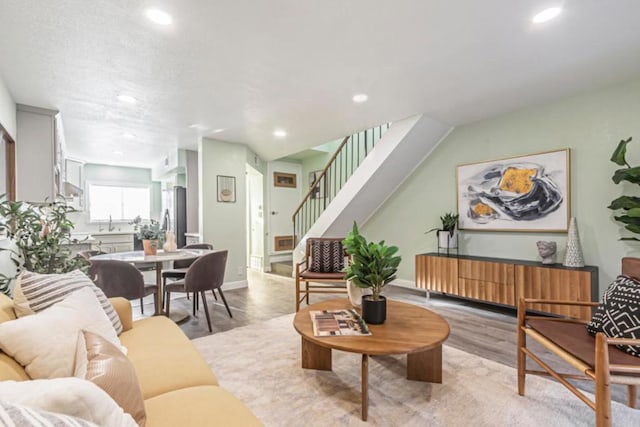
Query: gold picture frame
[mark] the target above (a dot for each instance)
(529, 193)
(282, 179)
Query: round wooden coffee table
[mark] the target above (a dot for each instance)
(409, 329)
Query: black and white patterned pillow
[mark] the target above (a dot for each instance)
(618, 316)
(34, 292)
(327, 256)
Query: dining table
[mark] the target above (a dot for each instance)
(161, 257)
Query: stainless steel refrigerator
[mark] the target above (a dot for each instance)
(174, 208)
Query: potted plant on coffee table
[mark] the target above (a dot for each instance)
(447, 235)
(373, 265)
(150, 235)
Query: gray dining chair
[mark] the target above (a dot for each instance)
(179, 270)
(121, 279)
(206, 273)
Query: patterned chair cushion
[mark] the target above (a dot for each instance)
(327, 256)
(618, 316)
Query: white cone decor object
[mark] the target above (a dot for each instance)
(573, 256)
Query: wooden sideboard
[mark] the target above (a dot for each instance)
(503, 281)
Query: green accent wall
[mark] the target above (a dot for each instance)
(224, 225)
(591, 124)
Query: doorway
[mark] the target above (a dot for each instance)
(255, 219)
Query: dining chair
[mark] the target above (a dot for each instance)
(121, 279)
(323, 264)
(179, 270)
(596, 359)
(206, 273)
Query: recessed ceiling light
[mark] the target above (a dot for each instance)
(218, 131)
(198, 126)
(279, 133)
(127, 99)
(546, 15)
(128, 135)
(158, 16)
(360, 98)
(118, 153)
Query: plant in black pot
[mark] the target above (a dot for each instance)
(447, 234)
(373, 265)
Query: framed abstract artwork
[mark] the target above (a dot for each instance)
(525, 193)
(318, 191)
(226, 189)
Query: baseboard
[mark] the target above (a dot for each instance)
(404, 283)
(239, 284)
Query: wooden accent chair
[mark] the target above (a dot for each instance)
(596, 358)
(323, 265)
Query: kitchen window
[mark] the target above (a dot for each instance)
(121, 203)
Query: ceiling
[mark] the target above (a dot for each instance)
(249, 67)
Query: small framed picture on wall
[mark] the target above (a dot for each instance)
(281, 179)
(226, 189)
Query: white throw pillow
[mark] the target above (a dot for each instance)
(69, 396)
(35, 292)
(45, 343)
(12, 415)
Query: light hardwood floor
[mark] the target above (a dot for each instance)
(478, 329)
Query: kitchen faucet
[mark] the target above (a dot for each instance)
(111, 227)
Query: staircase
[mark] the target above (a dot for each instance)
(364, 171)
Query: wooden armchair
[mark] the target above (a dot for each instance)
(596, 358)
(323, 265)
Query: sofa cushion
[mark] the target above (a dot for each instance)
(164, 357)
(102, 363)
(618, 316)
(45, 343)
(198, 406)
(23, 416)
(69, 396)
(35, 292)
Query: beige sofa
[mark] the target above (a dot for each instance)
(178, 387)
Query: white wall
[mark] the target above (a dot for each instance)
(591, 124)
(7, 110)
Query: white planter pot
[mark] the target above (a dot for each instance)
(355, 294)
(447, 240)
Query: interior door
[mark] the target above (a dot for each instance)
(284, 197)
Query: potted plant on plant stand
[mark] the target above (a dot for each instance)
(150, 235)
(447, 235)
(373, 265)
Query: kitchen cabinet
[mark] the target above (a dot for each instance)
(503, 281)
(113, 242)
(39, 154)
(74, 183)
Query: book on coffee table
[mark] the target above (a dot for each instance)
(335, 323)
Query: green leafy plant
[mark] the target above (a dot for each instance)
(629, 205)
(42, 234)
(373, 265)
(449, 223)
(150, 231)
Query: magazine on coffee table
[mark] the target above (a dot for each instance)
(335, 323)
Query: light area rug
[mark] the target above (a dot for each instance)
(260, 364)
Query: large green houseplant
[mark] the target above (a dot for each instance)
(373, 265)
(628, 205)
(41, 237)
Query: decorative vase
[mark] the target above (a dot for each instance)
(547, 251)
(573, 256)
(170, 244)
(447, 240)
(150, 247)
(374, 312)
(355, 294)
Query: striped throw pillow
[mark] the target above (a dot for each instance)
(34, 292)
(18, 415)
